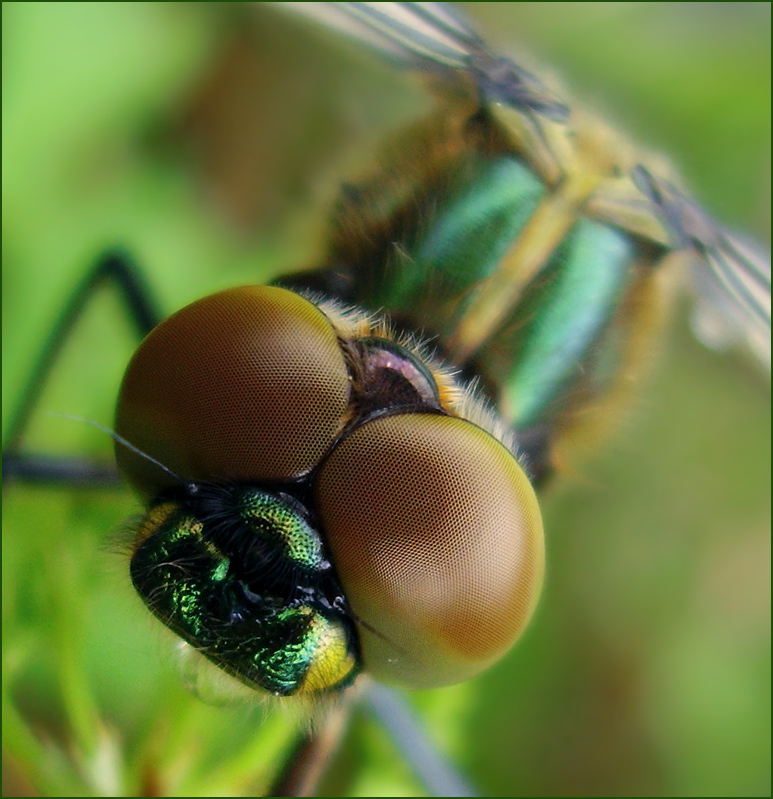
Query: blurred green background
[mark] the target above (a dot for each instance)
(209, 140)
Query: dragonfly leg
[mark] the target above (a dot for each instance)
(404, 728)
(112, 268)
(314, 750)
(316, 747)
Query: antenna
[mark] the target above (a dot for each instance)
(119, 440)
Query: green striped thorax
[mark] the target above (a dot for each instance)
(435, 225)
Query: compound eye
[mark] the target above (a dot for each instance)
(247, 384)
(437, 540)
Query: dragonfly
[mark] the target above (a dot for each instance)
(204, 717)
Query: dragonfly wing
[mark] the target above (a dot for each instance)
(432, 37)
(730, 278)
(734, 295)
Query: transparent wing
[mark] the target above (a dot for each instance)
(731, 277)
(432, 37)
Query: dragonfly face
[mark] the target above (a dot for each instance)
(614, 645)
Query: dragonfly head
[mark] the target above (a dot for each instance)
(335, 513)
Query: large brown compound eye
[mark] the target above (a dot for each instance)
(437, 539)
(248, 384)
